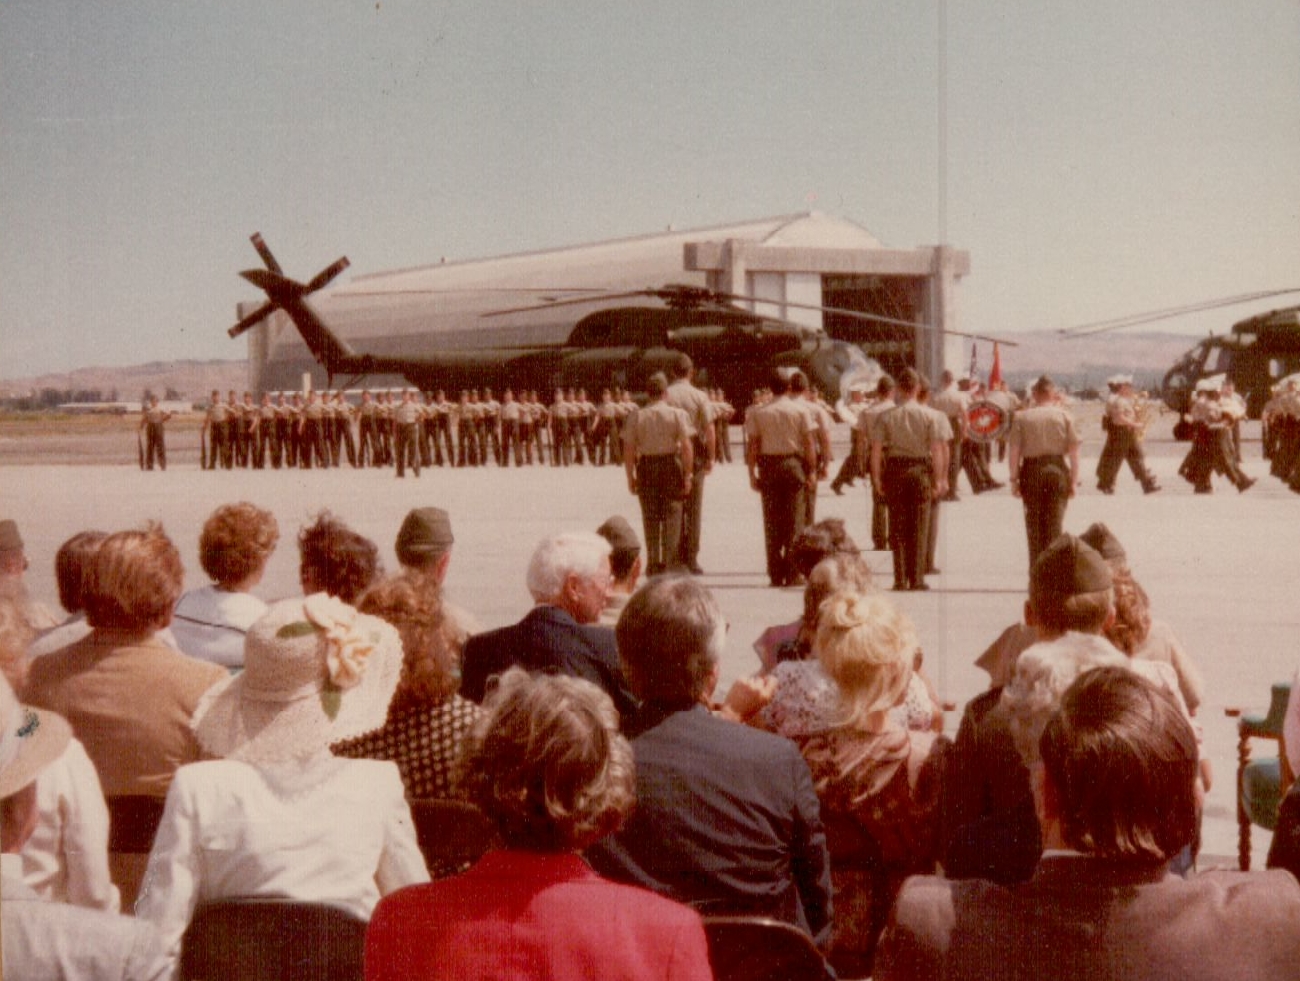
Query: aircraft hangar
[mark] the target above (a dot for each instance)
(808, 258)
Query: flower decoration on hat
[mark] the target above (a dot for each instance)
(347, 647)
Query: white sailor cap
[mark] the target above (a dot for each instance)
(1212, 384)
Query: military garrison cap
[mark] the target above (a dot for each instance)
(1104, 541)
(1068, 567)
(619, 534)
(425, 534)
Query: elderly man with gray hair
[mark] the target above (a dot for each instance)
(569, 578)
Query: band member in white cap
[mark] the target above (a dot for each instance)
(1123, 425)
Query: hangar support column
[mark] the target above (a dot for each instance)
(939, 301)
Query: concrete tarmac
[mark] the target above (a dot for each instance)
(1221, 569)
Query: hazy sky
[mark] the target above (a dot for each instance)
(1102, 158)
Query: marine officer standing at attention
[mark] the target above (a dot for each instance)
(699, 409)
(1042, 437)
(152, 421)
(406, 419)
(659, 458)
(782, 461)
(908, 465)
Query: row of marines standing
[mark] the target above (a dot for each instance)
(427, 429)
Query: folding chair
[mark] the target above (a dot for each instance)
(1261, 784)
(261, 938)
(756, 948)
(453, 834)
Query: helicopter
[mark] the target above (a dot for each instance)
(732, 348)
(1259, 352)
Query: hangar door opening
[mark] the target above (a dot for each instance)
(893, 346)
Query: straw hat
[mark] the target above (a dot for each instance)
(30, 740)
(315, 671)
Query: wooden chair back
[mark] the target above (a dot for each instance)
(258, 938)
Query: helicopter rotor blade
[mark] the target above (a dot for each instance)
(573, 301)
(862, 315)
(251, 320)
(259, 243)
(1169, 313)
(323, 277)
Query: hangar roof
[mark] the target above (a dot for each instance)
(626, 263)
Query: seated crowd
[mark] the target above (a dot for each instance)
(290, 743)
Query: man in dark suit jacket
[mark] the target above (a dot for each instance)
(1117, 797)
(569, 578)
(726, 818)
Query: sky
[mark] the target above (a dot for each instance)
(1096, 159)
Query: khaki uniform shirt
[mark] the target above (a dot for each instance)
(952, 402)
(1121, 412)
(693, 402)
(657, 430)
(779, 428)
(907, 430)
(406, 414)
(1043, 430)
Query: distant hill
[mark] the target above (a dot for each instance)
(189, 380)
(1086, 362)
(1082, 363)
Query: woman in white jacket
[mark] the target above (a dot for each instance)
(279, 815)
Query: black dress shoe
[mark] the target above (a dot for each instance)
(1151, 489)
(900, 586)
(920, 587)
(838, 491)
(694, 569)
(1246, 484)
(1106, 490)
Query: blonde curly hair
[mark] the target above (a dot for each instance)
(866, 645)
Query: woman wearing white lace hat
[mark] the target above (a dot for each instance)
(279, 815)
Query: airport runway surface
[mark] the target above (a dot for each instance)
(1221, 569)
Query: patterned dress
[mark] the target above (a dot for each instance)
(424, 741)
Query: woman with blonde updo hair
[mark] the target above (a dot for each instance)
(797, 698)
(428, 721)
(879, 783)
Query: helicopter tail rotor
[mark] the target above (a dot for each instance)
(252, 320)
(323, 278)
(278, 287)
(259, 243)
